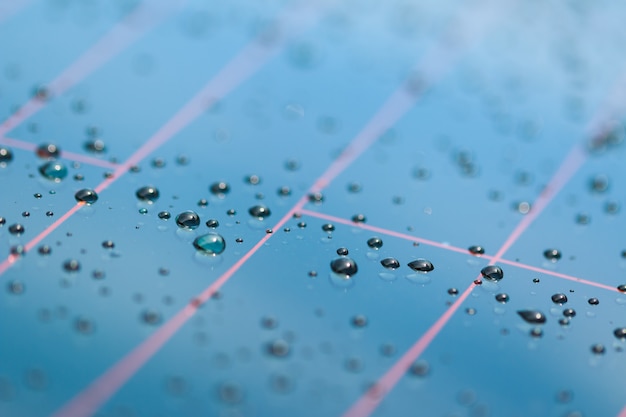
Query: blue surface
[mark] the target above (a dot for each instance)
(514, 103)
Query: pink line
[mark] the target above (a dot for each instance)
(85, 159)
(453, 248)
(143, 18)
(387, 232)
(10, 8)
(559, 275)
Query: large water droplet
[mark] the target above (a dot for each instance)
(188, 220)
(492, 273)
(86, 196)
(390, 263)
(344, 266)
(210, 244)
(259, 211)
(53, 170)
(421, 265)
(532, 316)
(375, 243)
(147, 193)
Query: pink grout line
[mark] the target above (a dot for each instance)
(453, 249)
(85, 159)
(12, 7)
(388, 232)
(142, 19)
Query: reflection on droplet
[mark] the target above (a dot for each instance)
(375, 243)
(86, 196)
(210, 244)
(390, 263)
(188, 220)
(259, 211)
(492, 273)
(421, 265)
(532, 316)
(147, 193)
(53, 170)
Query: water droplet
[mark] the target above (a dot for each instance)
(390, 263)
(259, 211)
(108, 244)
(6, 156)
(559, 298)
(219, 189)
(188, 220)
(86, 196)
(210, 244)
(152, 317)
(342, 251)
(359, 218)
(598, 349)
(532, 316)
(253, 179)
(620, 332)
(593, 301)
(71, 265)
(375, 243)
(53, 170)
(492, 273)
(48, 151)
(476, 250)
(502, 298)
(421, 265)
(344, 266)
(569, 312)
(212, 223)
(147, 193)
(16, 229)
(453, 291)
(164, 215)
(552, 255)
(599, 183)
(95, 146)
(278, 348)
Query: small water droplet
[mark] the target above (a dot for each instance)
(593, 301)
(210, 244)
(344, 266)
(17, 229)
(390, 263)
(71, 265)
(492, 273)
(502, 298)
(219, 189)
(598, 349)
(569, 312)
(278, 348)
(421, 265)
(532, 316)
(476, 250)
(164, 215)
(53, 170)
(86, 196)
(147, 193)
(359, 218)
(342, 251)
(375, 243)
(188, 220)
(48, 151)
(559, 298)
(552, 255)
(259, 211)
